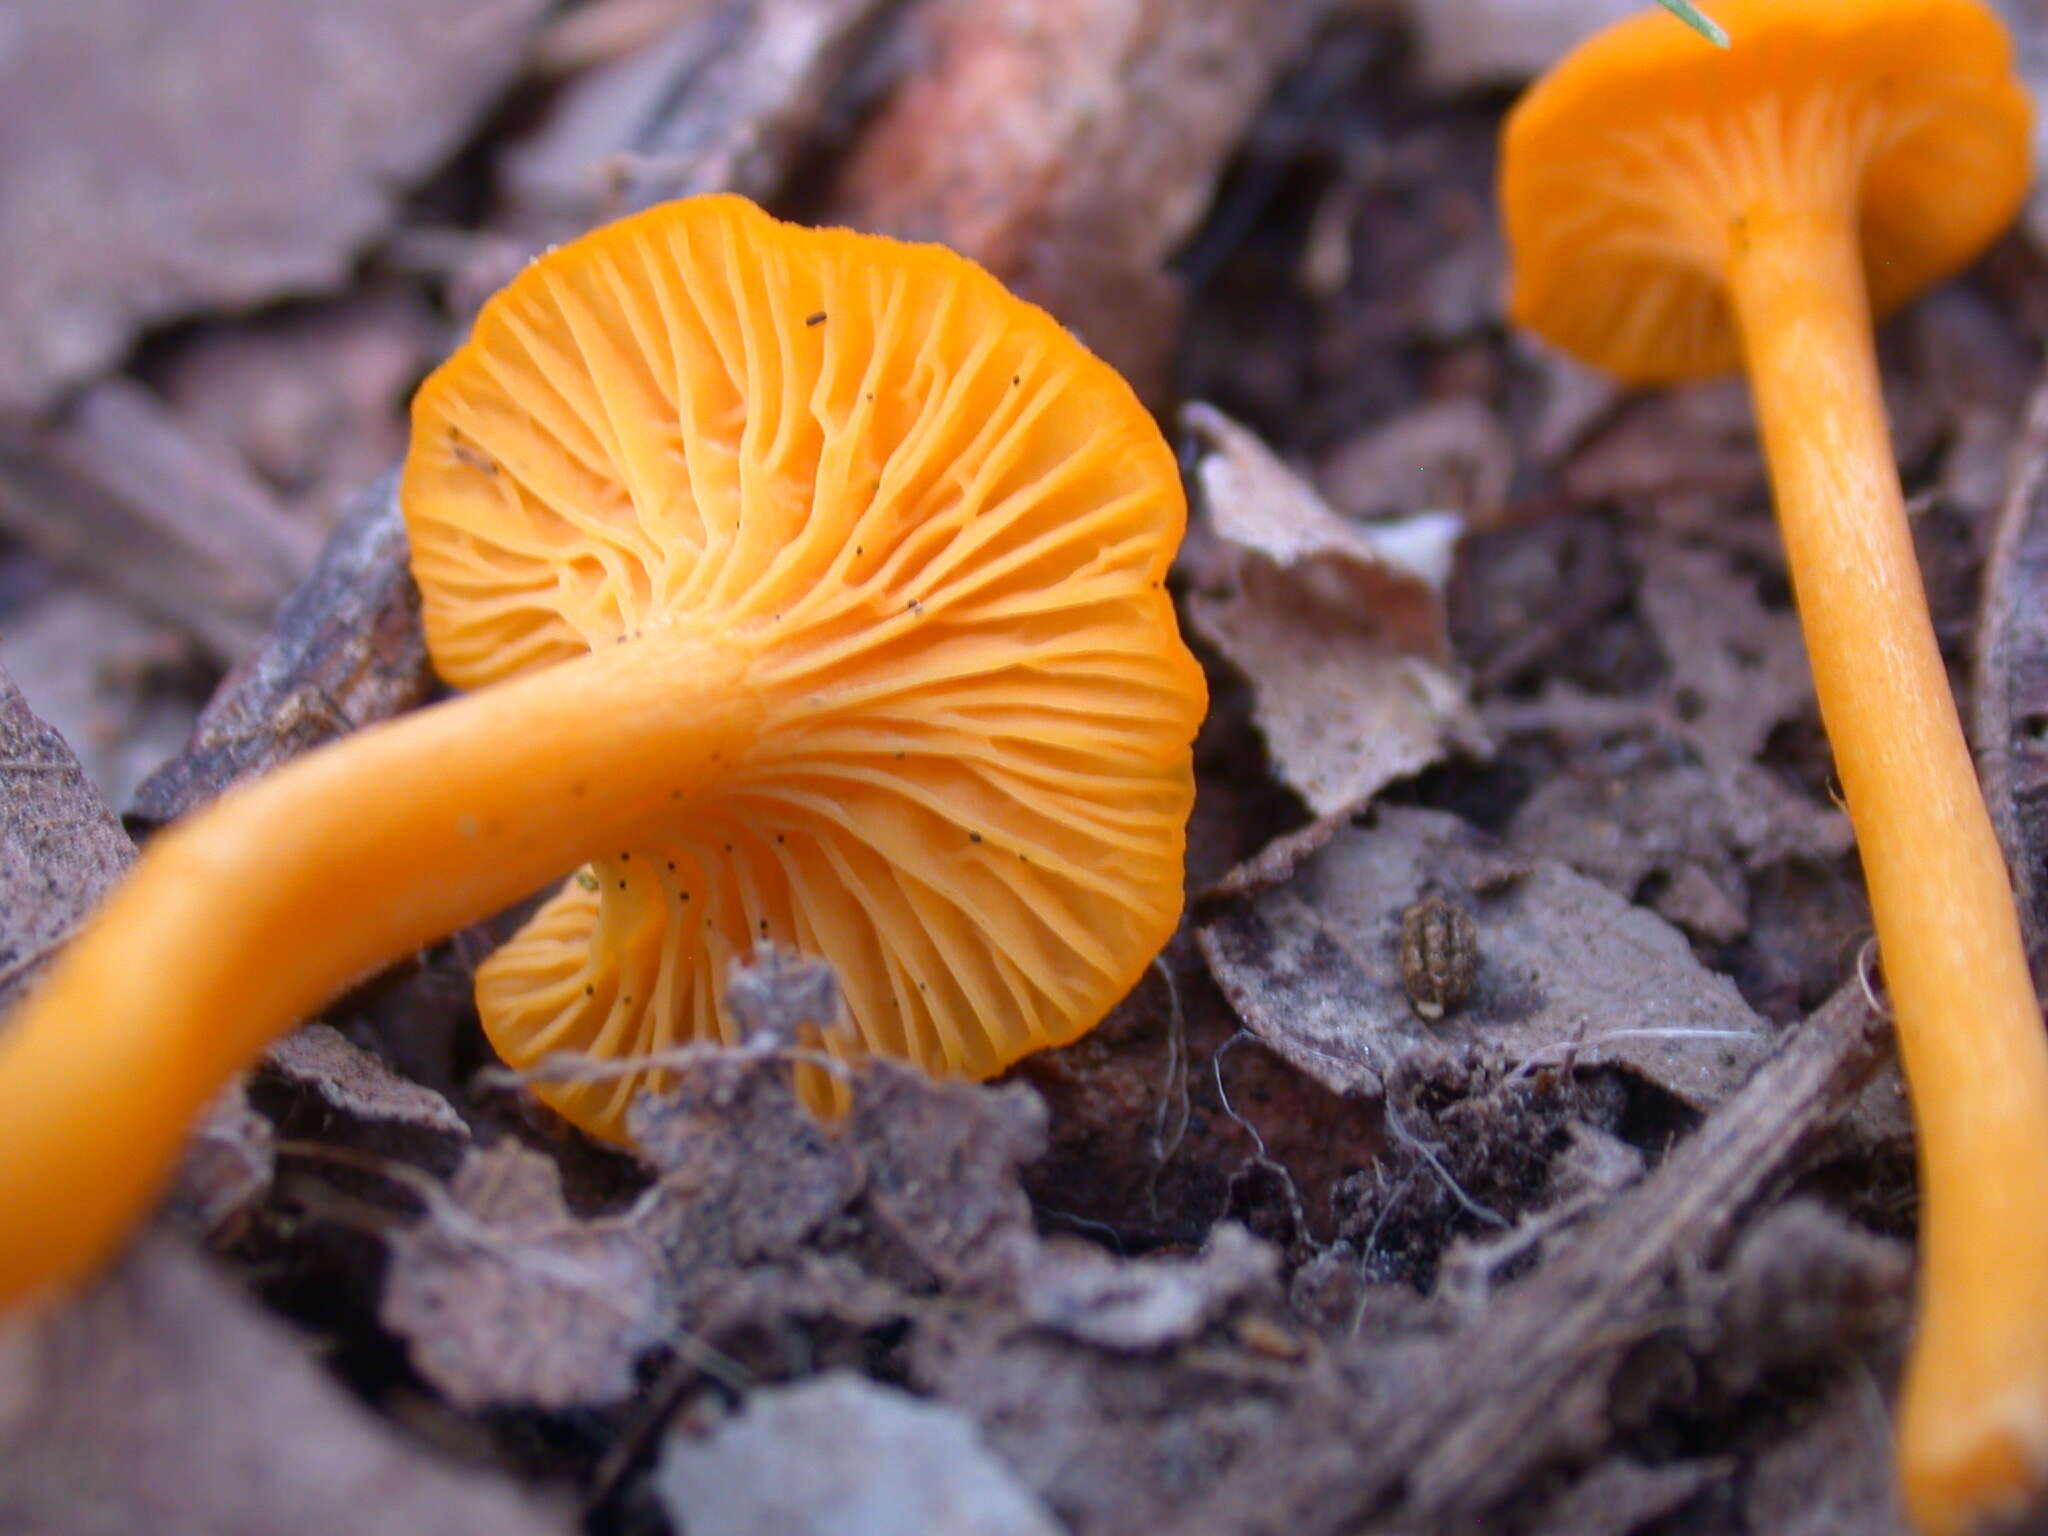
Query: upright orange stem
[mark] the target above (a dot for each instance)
(237, 923)
(1974, 1422)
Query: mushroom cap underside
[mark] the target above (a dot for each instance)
(1629, 171)
(940, 530)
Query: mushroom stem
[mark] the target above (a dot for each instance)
(1974, 1419)
(257, 910)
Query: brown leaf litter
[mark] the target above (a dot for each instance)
(314, 1084)
(117, 685)
(1442, 1433)
(162, 1400)
(1338, 626)
(762, 1228)
(2011, 723)
(504, 1298)
(1681, 810)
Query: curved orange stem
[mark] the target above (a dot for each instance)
(235, 924)
(1974, 1421)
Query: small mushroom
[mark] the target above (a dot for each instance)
(848, 637)
(1672, 210)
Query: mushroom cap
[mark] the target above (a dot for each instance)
(1628, 171)
(939, 527)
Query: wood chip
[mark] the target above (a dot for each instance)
(345, 650)
(60, 847)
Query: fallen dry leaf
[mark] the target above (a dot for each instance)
(1338, 625)
(95, 668)
(2030, 46)
(310, 396)
(1735, 670)
(1978, 369)
(505, 1299)
(1662, 795)
(249, 153)
(1437, 1434)
(160, 1400)
(941, 1161)
(1117, 1444)
(116, 487)
(745, 1173)
(1623, 1496)
(838, 1455)
(1702, 833)
(1805, 1283)
(1568, 973)
(1699, 438)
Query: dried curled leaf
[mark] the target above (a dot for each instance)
(506, 1299)
(1338, 625)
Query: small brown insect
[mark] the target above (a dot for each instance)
(1439, 953)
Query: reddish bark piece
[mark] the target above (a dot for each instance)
(1070, 147)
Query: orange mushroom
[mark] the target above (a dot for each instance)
(1671, 210)
(811, 587)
